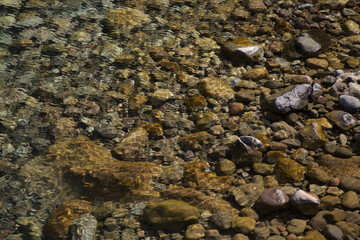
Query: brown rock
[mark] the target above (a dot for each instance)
(196, 140)
(256, 74)
(340, 166)
(316, 63)
(131, 145)
(288, 170)
(95, 167)
(199, 199)
(195, 102)
(216, 88)
(59, 221)
(236, 108)
(196, 176)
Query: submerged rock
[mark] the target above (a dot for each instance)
(97, 169)
(170, 214)
(291, 98)
(272, 200)
(245, 151)
(131, 145)
(60, 220)
(288, 170)
(243, 50)
(308, 44)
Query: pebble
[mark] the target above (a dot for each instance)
(243, 224)
(296, 226)
(333, 232)
(350, 200)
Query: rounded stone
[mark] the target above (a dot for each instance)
(243, 224)
(333, 232)
(350, 200)
(296, 226)
(271, 200)
(314, 235)
(349, 103)
(307, 203)
(235, 108)
(194, 232)
(256, 74)
(170, 214)
(225, 167)
(288, 170)
(330, 202)
(222, 220)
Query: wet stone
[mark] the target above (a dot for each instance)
(195, 231)
(296, 226)
(245, 151)
(349, 228)
(83, 227)
(343, 120)
(225, 167)
(350, 200)
(314, 235)
(308, 44)
(347, 84)
(329, 202)
(244, 50)
(291, 98)
(350, 184)
(312, 136)
(216, 88)
(60, 220)
(246, 195)
(131, 145)
(256, 74)
(261, 233)
(221, 220)
(123, 20)
(333, 232)
(170, 214)
(243, 224)
(288, 170)
(272, 200)
(307, 203)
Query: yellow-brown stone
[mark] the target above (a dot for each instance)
(196, 140)
(131, 145)
(340, 166)
(287, 170)
(137, 101)
(195, 102)
(196, 176)
(199, 199)
(57, 227)
(216, 88)
(95, 167)
(155, 129)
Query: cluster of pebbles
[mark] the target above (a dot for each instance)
(179, 119)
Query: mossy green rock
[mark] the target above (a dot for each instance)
(170, 214)
(289, 171)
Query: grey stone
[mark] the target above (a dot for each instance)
(244, 129)
(308, 44)
(318, 222)
(349, 103)
(281, 125)
(83, 228)
(244, 50)
(333, 232)
(291, 98)
(347, 84)
(261, 233)
(221, 220)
